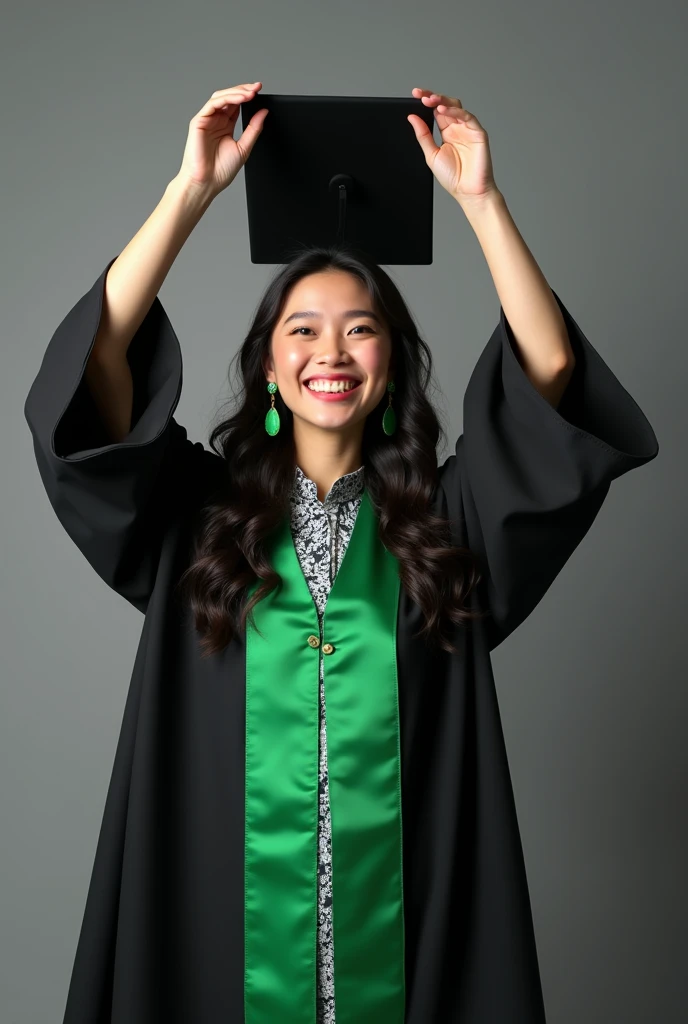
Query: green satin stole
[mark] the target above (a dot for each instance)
(281, 824)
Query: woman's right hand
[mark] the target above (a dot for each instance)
(212, 158)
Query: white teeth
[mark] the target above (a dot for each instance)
(338, 385)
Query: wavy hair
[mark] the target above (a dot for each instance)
(230, 551)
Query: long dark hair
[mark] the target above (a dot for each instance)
(400, 474)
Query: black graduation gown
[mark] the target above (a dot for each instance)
(162, 933)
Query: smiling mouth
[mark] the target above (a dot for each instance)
(336, 390)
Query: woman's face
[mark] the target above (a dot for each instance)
(330, 340)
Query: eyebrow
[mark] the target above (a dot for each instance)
(346, 315)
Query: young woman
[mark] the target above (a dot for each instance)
(310, 815)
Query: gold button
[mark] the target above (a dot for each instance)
(327, 648)
(314, 641)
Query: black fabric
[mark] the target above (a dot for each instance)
(528, 479)
(162, 933)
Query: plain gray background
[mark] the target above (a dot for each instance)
(585, 107)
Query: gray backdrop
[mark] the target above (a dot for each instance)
(585, 106)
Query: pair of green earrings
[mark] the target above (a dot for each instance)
(272, 420)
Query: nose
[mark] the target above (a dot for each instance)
(331, 348)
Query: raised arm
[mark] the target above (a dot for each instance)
(211, 161)
(131, 284)
(117, 467)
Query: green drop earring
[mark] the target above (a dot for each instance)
(389, 420)
(272, 419)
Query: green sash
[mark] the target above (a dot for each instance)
(282, 704)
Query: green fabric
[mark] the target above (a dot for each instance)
(282, 704)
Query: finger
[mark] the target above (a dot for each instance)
(248, 86)
(434, 98)
(447, 101)
(251, 133)
(424, 136)
(460, 113)
(221, 102)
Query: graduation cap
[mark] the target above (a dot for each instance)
(339, 170)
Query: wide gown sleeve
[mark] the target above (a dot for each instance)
(528, 480)
(114, 500)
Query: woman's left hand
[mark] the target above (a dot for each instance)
(462, 164)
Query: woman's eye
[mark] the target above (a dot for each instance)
(361, 327)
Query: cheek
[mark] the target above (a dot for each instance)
(375, 360)
(287, 359)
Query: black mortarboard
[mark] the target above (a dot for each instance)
(339, 169)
